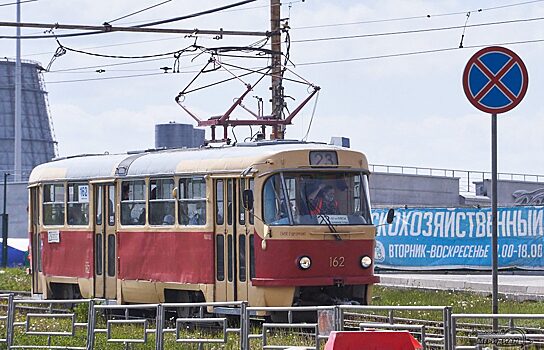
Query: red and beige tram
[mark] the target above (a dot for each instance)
(241, 222)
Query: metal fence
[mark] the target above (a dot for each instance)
(467, 178)
(93, 324)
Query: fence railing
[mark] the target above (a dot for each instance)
(92, 324)
(467, 178)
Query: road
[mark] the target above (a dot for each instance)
(520, 287)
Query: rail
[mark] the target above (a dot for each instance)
(89, 324)
(500, 335)
(467, 178)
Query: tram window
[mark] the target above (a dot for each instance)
(40, 251)
(251, 187)
(133, 202)
(320, 198)
(251, 256)
(229, 259)
(78, 204)
(242, 215)
(219, 203)
(111, 255)
(192, 201)
(161, 203)
(98, 257)
(53, 204)
(111, 207)
(275, 206)
(230, 184)
(220, 256)
(242, 257)
(98, 206)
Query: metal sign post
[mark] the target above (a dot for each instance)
(495, 80)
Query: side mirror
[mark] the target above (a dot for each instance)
(390, 215)
(247, 199)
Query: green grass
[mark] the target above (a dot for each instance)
(461, 302)
(15, 279)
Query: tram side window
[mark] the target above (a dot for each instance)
(161, 203)
(53, 204)
(78, 204)
(133, 202)
(192, 201)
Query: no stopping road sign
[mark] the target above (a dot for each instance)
(495, 80)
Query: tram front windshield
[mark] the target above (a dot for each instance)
(324, 198)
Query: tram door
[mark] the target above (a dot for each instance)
(105, 257)
(35, 240)
(244, 234)
(230, 249)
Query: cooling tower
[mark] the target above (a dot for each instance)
(37, 144)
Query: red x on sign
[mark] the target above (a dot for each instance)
(495, 80)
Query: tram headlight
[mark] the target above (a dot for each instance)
(366, 261)
(304, 262)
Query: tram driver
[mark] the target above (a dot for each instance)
(323, 200)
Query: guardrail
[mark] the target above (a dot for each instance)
(91, 324)
(466, 177)
(494, 334)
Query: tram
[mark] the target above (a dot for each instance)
(240, 222)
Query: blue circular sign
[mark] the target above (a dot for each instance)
(495, 80)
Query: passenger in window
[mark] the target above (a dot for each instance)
(199, 216)
(168, 220)
(323, 201)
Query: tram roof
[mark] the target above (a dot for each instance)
(169, 161)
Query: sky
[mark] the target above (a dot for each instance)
(396, 105)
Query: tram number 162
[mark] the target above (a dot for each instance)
(336, 261)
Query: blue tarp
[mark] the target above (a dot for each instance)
(16, 257)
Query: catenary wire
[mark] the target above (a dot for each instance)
(412, 53)
(107, 28)
(139, 11)
(14, 3)
(425, 30)
(416, 17)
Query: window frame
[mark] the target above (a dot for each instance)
(186, 195)
(133, 201)
(53, 203)
(156, 200)
(78, 202)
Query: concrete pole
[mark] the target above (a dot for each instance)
(277, 88)
(18, 130)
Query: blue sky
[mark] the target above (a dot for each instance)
(406, 110)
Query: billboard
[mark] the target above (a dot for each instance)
(446, 238)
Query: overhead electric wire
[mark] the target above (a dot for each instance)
(110, 29)
(425, 30)
(416, 17)
(109, 45)
(139, 11)
(412, 53)
(206, 12)
(14, 3)
(104, 78)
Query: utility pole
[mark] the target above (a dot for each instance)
(277, 88)
(18, 102)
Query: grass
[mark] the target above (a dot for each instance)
(15, 279)
(461, 302)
